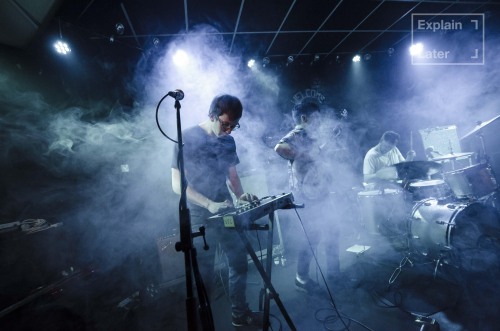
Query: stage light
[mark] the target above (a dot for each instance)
(156, 42)
(180, 58)
(416, 49)
(251, 63)
(266, 61)
(62, 47)
(289, 60)
(315, 59)
(390, 51)
(356, 58)
(120, 28)
(367, 57)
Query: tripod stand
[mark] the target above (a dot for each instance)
(186, 243)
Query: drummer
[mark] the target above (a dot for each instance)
(384, 154)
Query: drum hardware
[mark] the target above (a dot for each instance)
(395, 274)
(410, 170)
(483, 140)
(477, 131)
(492, 200)
(452, 158)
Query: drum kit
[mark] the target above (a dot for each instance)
(445, 217)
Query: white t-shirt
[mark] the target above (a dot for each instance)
(374, 160)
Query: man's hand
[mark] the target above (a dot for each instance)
(410, 155)
(216, 207)
(247, 197)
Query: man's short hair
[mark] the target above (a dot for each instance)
(391, 137)
(226, 104)
(306, 107)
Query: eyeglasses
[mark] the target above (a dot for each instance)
(226, 125)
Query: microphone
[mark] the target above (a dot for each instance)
(429, 151)
(177, 94)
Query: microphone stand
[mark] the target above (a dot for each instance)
(186, 246)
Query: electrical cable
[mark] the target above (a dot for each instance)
(332, 301)
(158, 122)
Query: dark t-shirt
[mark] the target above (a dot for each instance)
(206, 162)
(311, 177)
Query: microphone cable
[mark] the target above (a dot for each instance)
(332, 301)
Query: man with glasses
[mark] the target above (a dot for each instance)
(210, 168)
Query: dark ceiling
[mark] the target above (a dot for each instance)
(260, 28)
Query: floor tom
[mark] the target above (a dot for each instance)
(472, 182)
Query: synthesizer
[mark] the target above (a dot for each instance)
(245, 214)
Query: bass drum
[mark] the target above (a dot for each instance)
(456, 234)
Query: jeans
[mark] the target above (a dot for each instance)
(320, 221)
(236, 254)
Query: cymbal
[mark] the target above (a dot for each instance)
(479, 127)
(409, 170)
(451, 156)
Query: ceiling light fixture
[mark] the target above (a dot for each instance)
(266, 61)
(120, 28)
(315, 59)
(251, 63)
(416, 49)
(61, 47)
(180, 58)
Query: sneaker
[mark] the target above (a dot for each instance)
(308, 286)
(249, 318)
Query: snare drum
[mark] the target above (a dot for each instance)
(453, 233)
(436, 188)
(381, 207)
(471, 182)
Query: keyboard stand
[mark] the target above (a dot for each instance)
(268, 292)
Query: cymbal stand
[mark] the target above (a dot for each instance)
(438, 263)
(399, 268)
(406, 258)
(482, 155)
